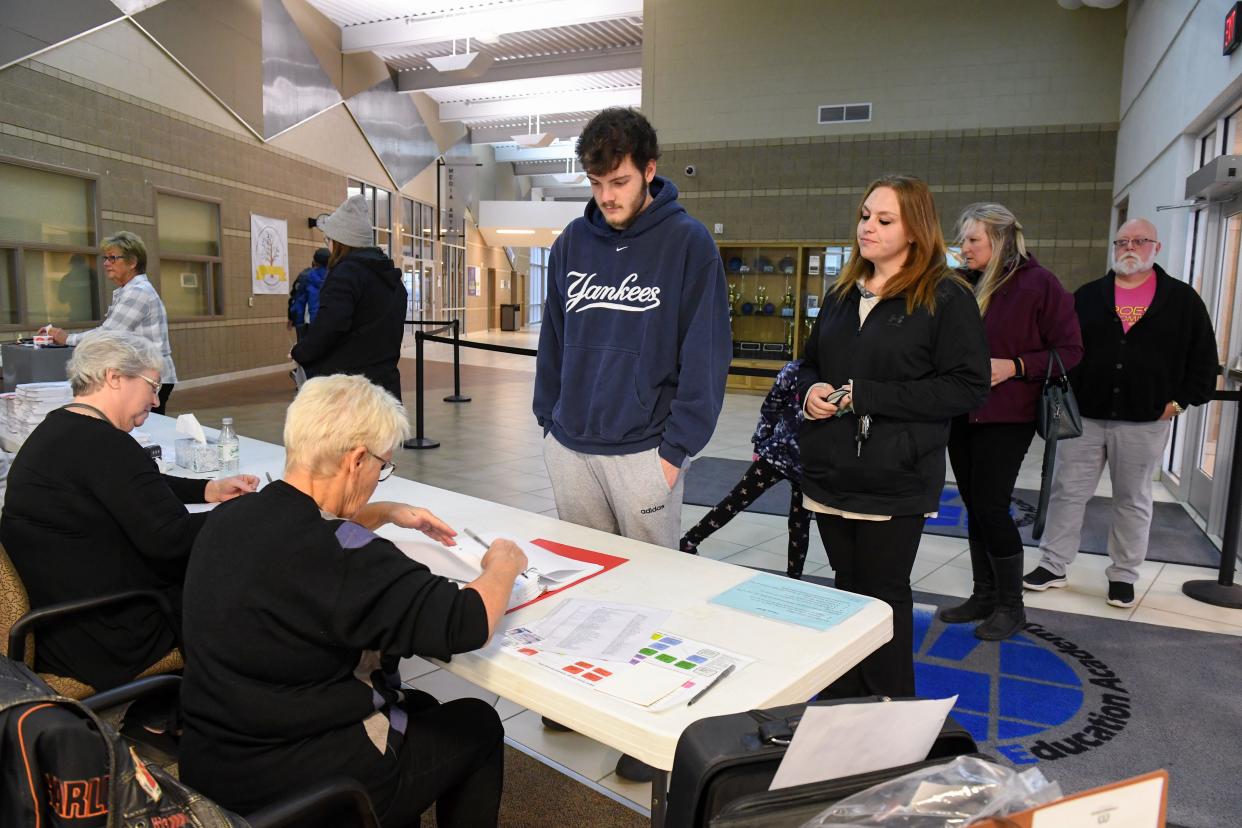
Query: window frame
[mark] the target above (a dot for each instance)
(155, 255)
(15, 248)
(368, 191)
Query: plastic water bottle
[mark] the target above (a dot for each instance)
(230, 458)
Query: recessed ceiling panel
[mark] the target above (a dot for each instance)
(394, 128)
(223, 48)
(295, 87)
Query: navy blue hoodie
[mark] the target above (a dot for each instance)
(635, 342)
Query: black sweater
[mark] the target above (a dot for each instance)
(1169, 354)
(912, 374)
(360, 322)
(88, 513)
(279, 606)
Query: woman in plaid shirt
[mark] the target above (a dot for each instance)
(136, 307)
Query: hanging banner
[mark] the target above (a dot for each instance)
(269, 254)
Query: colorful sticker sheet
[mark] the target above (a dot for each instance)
(666, 671)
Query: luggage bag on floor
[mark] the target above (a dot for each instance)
(722, 758)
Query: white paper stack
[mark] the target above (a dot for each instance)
(8, 416)
(33, 401)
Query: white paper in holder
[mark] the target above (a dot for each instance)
(188, 425)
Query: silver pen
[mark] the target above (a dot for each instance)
(719, 677)
(470, 534)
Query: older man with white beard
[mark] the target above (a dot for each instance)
(1148, 355)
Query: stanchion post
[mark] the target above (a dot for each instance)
(456, 396)
(1223, 592)
(418, 441)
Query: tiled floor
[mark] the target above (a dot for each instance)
(491, 448)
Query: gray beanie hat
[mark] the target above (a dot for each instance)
(350, 224)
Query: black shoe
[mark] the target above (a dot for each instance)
(633, 770)
(1040, 579)
(1120, 594)
(975, 608)
(557, 726)
(1004, 622)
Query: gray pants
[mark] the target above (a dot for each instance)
(625, 494)
(1133, 452)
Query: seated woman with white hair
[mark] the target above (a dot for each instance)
(290, 601)
(88, 513)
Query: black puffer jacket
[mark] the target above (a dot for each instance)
(360, 322)
(912, 374)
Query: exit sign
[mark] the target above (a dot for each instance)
(1232, 35)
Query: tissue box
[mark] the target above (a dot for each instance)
(196, 456)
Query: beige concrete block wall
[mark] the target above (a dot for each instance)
(135, 147)
(718, 70)
(1057, 180)
(51, 116)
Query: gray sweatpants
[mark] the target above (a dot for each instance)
(1133, 452)
(624, 494)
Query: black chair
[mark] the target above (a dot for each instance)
(339, 801)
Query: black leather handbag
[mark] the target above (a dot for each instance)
(1058, 410)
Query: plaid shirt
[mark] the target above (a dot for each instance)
(137, 308)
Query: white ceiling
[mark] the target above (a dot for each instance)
(563, 60)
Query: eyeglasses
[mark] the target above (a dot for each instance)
(155, 385)
(1122, 244)
(386, 466)
(112, 258)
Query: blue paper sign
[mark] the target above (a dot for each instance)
(786, 599)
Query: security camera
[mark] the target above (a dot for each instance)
(691, 170)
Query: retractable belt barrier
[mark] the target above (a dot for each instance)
(1223, 592)
(420, 440)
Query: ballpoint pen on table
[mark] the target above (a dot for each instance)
(711, 684)
(470, 533)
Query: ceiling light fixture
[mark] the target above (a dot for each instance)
(513, 231)
(468, 64)
(571, 175)
(533, 137)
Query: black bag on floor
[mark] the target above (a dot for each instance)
(61, 766)
(722, 758)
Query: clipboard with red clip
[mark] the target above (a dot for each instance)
(608, 562)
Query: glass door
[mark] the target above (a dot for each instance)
(1215, 422)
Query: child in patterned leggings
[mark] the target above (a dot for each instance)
(775, 459)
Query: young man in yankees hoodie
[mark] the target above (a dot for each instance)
(635, 343)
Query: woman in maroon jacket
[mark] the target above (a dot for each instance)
(1025, 312)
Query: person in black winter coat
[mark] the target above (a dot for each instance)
(362, 305)
(897, 351)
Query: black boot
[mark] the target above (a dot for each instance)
(982, 600)
(1009, 618)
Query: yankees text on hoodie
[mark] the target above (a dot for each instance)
(635, 342)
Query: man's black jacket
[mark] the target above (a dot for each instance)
(1168, 355)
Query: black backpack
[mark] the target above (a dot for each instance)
(60, 766)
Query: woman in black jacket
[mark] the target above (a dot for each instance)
(362, 305)
(898, 350)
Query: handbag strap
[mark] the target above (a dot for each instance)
(1053, 355)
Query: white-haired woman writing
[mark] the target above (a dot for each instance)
(290, 596)
(88, 513)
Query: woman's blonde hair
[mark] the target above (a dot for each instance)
(332, 416)
(126, 353)
(130, 245)
(925, 266)
(1008, 246)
